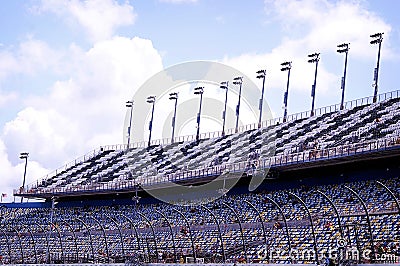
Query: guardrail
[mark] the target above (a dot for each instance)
(157, 179)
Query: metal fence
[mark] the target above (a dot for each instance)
(156, 179)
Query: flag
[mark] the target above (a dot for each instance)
(3, 195)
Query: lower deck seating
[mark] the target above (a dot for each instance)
(99, 234)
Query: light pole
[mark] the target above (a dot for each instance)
(376, 39)
(261, 75)
(136, 198)
(152, 100)
(224, 86)
(314, 58)
(129, 104)
(199, 91)
(343, 48)
(286, 66)
(238, 81)
(24, 156)
(173, 96)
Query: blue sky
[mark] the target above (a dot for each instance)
(67, 67)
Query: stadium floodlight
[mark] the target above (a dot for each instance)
(286, 66)
(238, 81)
(224, 85)
(173, 96)
(151, 100)
(261, 75)
(376, 39)
(376, 35)
(343, 48)
(129, 104)
(199, 91)
(24, 156)
(314, 58)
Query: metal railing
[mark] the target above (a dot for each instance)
(158, 179)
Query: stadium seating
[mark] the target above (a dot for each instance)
(251, 225)
(328, 134)
(69, 227)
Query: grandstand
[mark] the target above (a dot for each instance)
(332, 189)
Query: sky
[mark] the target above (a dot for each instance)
(68, 67)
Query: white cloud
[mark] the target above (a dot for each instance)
(70, 118)
(313, 26)
(30, 57)
(35, 55)
(301, 76)
(321, 25)
(98, 18)
(12, 174)
(82, 112)
(36, 131)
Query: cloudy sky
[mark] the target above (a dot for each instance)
(67, 67)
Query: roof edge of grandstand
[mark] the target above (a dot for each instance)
(319, 111)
